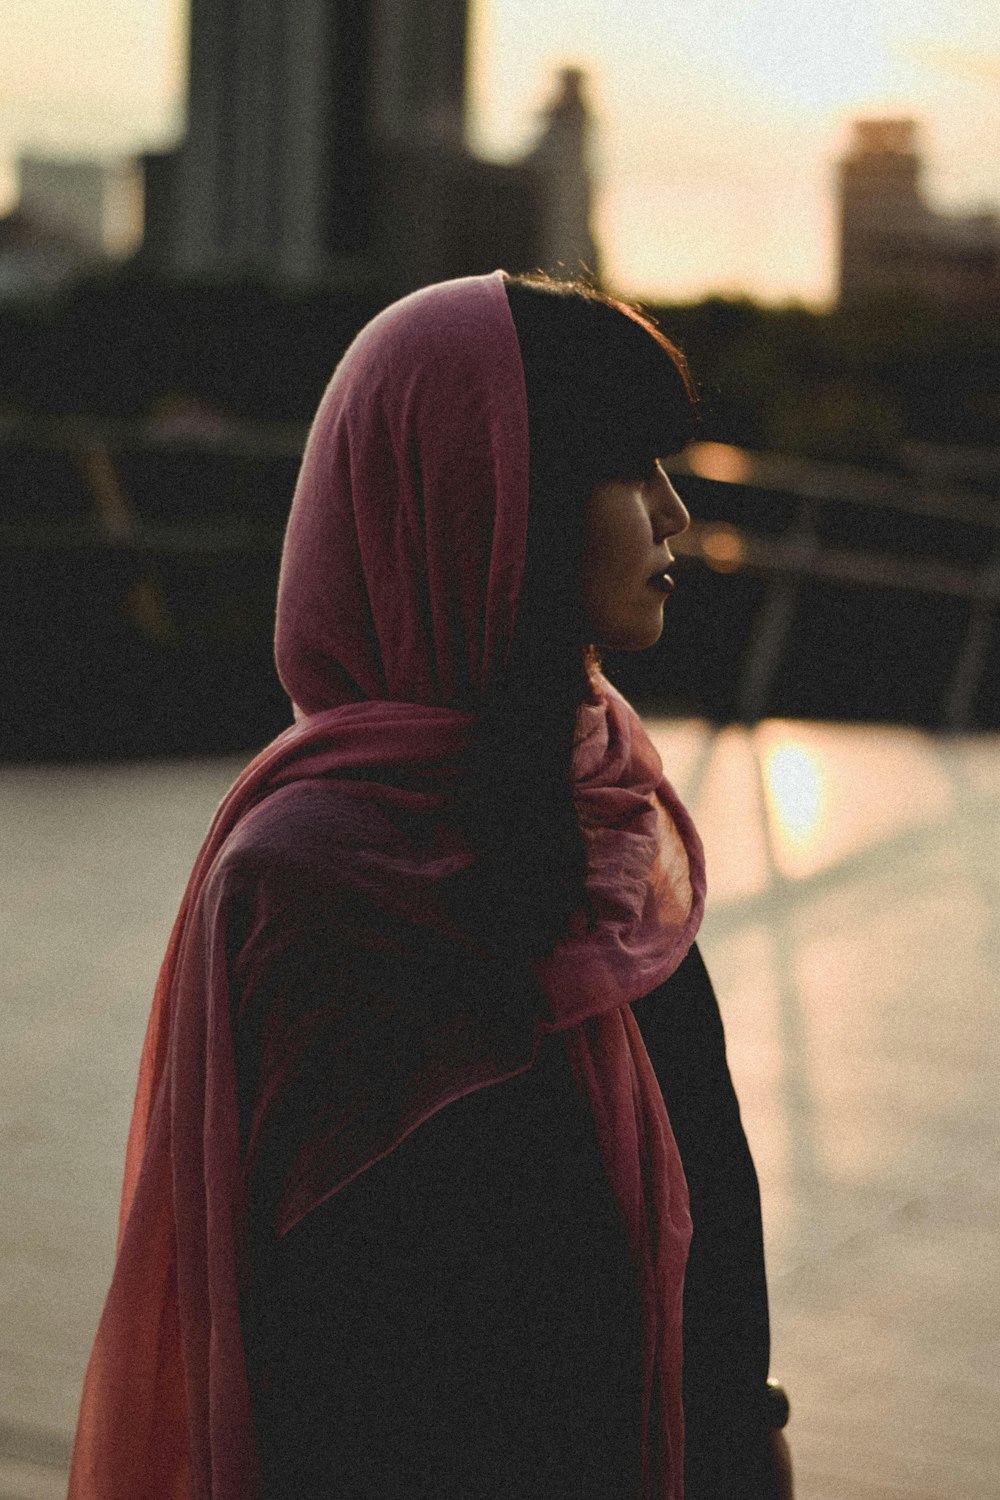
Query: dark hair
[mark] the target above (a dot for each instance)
(607, 394)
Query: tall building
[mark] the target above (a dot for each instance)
(559, 162)
(326, 140)
(891, 239)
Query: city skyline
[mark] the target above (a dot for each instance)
(717, 135)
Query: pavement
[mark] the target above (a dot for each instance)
(853, 935)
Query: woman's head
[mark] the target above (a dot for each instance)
(412, 546)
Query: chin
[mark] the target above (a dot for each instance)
(632, 640)
(627, 630)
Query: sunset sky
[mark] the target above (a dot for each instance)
(719, 122)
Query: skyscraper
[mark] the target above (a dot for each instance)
(893, 241)
(326, 141)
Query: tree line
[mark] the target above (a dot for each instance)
(845, 385)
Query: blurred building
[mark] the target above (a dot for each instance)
(893, 241)
(327, 142)
(35, 260)
(70, 195)
(71, 214)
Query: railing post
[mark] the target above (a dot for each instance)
(972, 658)
(769, 633)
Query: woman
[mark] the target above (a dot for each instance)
(404, 1213)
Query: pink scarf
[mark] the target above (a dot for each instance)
(397, 599)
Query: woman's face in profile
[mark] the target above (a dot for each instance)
(625, 558)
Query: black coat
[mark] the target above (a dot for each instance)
(462, 1322)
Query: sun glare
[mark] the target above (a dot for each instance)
(797, 793)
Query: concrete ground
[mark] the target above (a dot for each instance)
(853, 933)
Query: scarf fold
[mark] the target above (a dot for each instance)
(393, 618)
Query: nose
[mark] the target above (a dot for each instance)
(670, 515)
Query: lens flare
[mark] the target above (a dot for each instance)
(722, 549)
(721, 461)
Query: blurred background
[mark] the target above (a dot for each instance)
(200, 204)
(204, 204)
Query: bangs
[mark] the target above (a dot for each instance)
(608, 392)
(633, 422)
(642, 405)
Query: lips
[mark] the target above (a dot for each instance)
(663, 582)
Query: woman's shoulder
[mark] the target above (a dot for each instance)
(309, 830)
(325, 871)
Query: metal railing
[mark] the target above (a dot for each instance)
(787, 559)
(799, 554)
